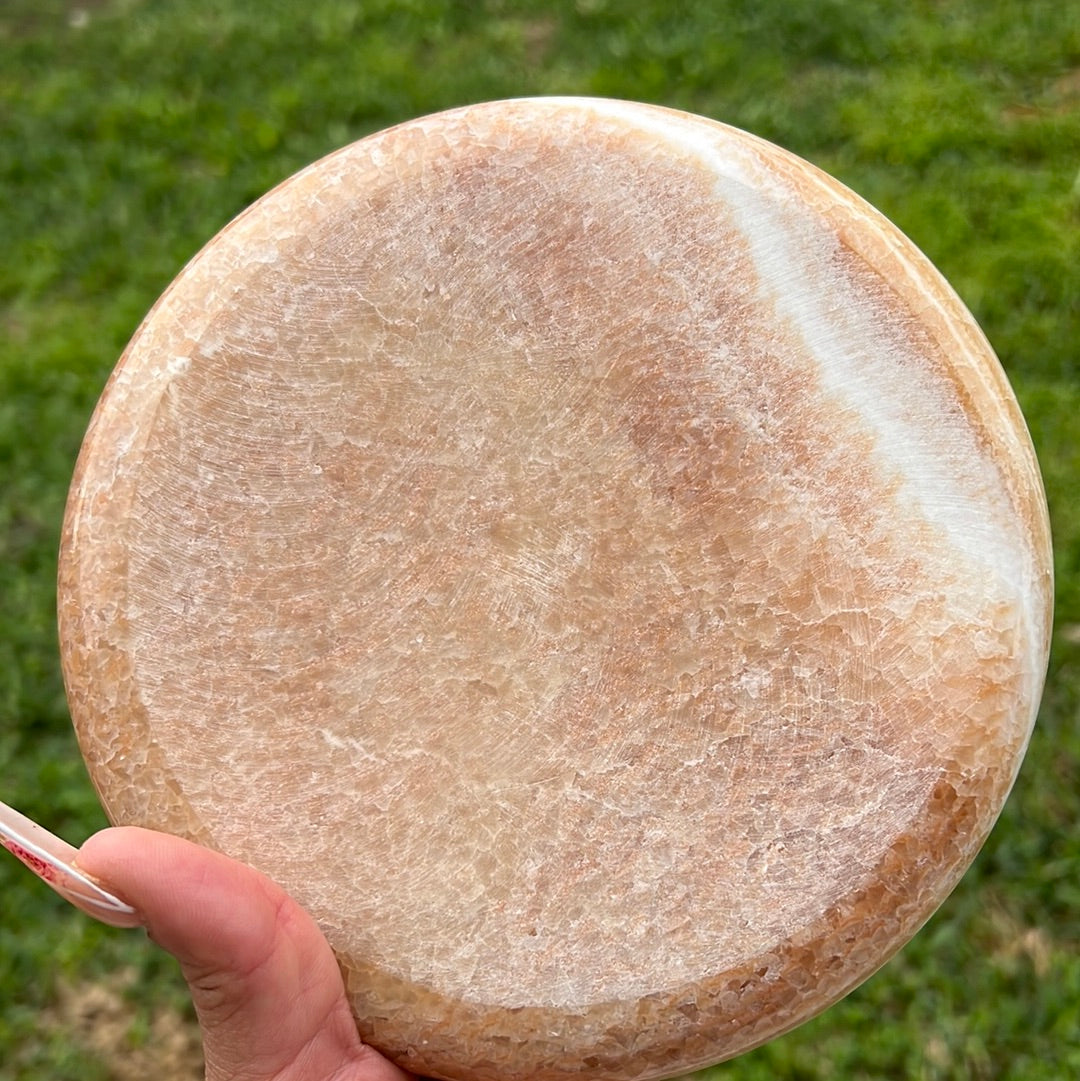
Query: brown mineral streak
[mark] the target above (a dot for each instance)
(468, 509)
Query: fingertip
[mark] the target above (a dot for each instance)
(199, 905)
(265, 982)
(112, 853)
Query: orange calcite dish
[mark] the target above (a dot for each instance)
(586, 555)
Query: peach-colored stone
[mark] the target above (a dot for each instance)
(586, 555)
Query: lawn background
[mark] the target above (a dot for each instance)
(132, 130)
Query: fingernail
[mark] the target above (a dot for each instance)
(53, 861)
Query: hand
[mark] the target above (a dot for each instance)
(267, 989)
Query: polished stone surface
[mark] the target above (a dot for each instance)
(586, 555)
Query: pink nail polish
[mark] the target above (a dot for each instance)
(53, 861)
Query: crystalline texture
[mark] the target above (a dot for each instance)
(589, 558)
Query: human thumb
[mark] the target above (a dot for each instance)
(267, 989)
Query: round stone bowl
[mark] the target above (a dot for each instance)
(588, 557)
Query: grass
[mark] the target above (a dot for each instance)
(132, 130)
